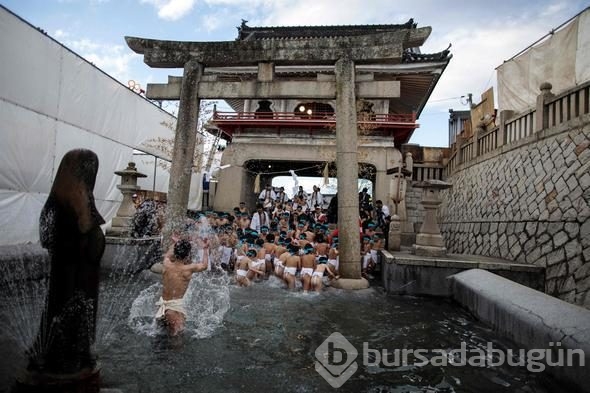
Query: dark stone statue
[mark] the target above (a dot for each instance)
(70, 231)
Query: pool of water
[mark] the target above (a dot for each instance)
(264, 338)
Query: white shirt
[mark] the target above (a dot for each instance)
(316, 198)
(258, 220)
(271, 194)
(282, 197)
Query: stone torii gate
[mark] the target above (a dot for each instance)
(342, 51)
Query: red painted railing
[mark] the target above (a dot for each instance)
(383, 120)
(229, 122)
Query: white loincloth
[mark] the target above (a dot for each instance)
(241, 272)
(290, 270)
(306, 270)
(173, 304)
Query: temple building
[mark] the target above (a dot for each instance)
(270, 136)
(343, 97)
(293, 124)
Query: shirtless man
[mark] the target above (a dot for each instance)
(321, 246)
(282, 254)
(175, 280)
(333, 256)
(303, 240)
(318, 274)
(292, 264)
(260, 263)
(307, 266)
(270, 248)
(244, 267)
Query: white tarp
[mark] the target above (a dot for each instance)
(52, 101)
(562, 60)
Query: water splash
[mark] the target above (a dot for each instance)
(23, 290)
(120, 283)
(206, 301)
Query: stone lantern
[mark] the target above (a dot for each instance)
(429, 241)
(121, 223)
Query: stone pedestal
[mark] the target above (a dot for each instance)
(121, 223)
(350, 283)
(429, 242)
(394, 240)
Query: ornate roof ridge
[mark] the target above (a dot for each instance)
(246, 32)
(409, 56)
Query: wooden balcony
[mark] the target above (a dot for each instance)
(399, 126)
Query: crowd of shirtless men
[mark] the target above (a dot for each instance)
(291, 241)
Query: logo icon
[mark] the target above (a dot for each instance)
(335, 360)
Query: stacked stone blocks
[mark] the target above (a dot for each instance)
(529, 203)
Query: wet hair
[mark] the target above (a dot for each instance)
(259, 242)
(182, 248)
(322, 260)
(270, 238)
(308, 248)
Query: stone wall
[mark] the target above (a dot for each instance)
(528, 202)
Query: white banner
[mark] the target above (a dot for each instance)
(562, 60)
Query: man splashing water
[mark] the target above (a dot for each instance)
(178, 271)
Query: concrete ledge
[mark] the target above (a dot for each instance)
(407, 274)
(350, 283)
(130, 255)
(529, 317)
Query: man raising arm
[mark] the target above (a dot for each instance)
(176, 277)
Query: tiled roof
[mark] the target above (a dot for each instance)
(246, 32)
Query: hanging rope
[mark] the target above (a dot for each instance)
(326, 175)
(318, 167)
(257, 184)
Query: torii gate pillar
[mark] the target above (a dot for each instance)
(184, 150)
(347, 163)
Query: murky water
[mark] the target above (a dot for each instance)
(263, 339)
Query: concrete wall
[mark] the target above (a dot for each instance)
(528, 202)
(408, 274)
